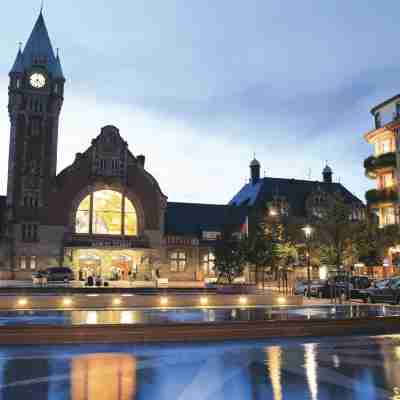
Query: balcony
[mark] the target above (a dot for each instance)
(373, 164)
(388, 195)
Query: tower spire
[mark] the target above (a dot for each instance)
(41, 6)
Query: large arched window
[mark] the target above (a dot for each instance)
(106, 212)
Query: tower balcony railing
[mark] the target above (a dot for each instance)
(374, 164)
(387, 195)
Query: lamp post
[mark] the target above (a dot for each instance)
(307, 232)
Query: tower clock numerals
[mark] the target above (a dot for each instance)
(37, 80)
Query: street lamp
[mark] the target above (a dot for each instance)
(307, 232)
(273, 212)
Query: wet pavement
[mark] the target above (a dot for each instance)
(194, 315)
(358, 367)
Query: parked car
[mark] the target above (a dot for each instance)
(385, 291)
(57, 274)
(301, 287)
(359, 284)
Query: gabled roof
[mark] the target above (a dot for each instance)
(39, 51)
(384, 103)
(294, 191)
(191, 219)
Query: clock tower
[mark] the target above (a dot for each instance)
(36, 90)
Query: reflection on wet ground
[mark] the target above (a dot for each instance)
(358, 367)
(215, 315)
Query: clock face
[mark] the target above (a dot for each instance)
(37, 80)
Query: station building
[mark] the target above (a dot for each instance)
(105, 214)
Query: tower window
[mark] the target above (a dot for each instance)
(30, 232)
(31, 199)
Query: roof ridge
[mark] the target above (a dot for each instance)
(197, 204)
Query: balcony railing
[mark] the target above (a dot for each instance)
(373, 164)
(388, 195)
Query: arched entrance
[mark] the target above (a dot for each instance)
(121, 267)
(88, 265)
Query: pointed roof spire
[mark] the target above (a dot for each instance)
(18, 67)
(58, 72)
(39, 50)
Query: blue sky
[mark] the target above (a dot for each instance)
(198, 86)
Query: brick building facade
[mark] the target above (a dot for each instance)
(105, 214)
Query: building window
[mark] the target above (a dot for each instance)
(208, 235)
(108, 213)
(22, 262)
(115, 164)
(388, 216)
(397, 111)
(378, 121)
(33, 262)
(383, 146)
(102, 164)
(30, 232)
(177, 260)
(209, 264)
(386, 180)
(31, 200)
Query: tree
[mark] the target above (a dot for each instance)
(256, 250)
(334, 231)
(372, 242)
(229, 257)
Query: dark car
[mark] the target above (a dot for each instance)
(359, 284)
(59, 274)
(385, 292)
(335, 287)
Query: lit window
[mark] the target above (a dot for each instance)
(386, 180)
(107, 214)
(208, 235)
(388, 216)
(22, 262)
(209, 264)
(33, 262)
(383, 146)
(177, 261)
(83, 216)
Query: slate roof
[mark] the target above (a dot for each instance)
(294, 191)
(38, 46)
(191, 219)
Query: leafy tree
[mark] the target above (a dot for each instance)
(334, 231)
(372, 242)
(229, 258)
